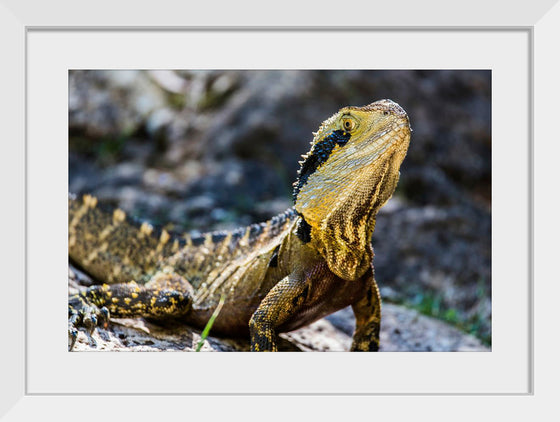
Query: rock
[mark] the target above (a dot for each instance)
(406, 330)
(111, 103)
(437, 257)
(402, 330)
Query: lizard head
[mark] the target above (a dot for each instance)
(351, 170)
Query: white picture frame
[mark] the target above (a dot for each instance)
(25, 398)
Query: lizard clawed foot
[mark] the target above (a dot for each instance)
(87, 316)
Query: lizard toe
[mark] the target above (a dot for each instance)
(86, 317)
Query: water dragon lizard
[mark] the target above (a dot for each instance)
(276, 276)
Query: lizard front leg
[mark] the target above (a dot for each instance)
(367, 310)
(166, 295)
(281, 303)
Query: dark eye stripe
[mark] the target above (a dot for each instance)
(319, 154)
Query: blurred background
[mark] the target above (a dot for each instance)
(207, 150)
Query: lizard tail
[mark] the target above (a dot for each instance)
(111, 246)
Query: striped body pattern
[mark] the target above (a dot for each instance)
(276, 276)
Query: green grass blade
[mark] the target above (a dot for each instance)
(210, 323)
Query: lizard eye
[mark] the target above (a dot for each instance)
(348, 124)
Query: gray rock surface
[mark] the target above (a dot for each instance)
(401, 330)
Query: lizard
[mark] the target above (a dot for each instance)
(277, 276)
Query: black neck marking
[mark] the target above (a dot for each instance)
(319, 154)
(303, 231)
